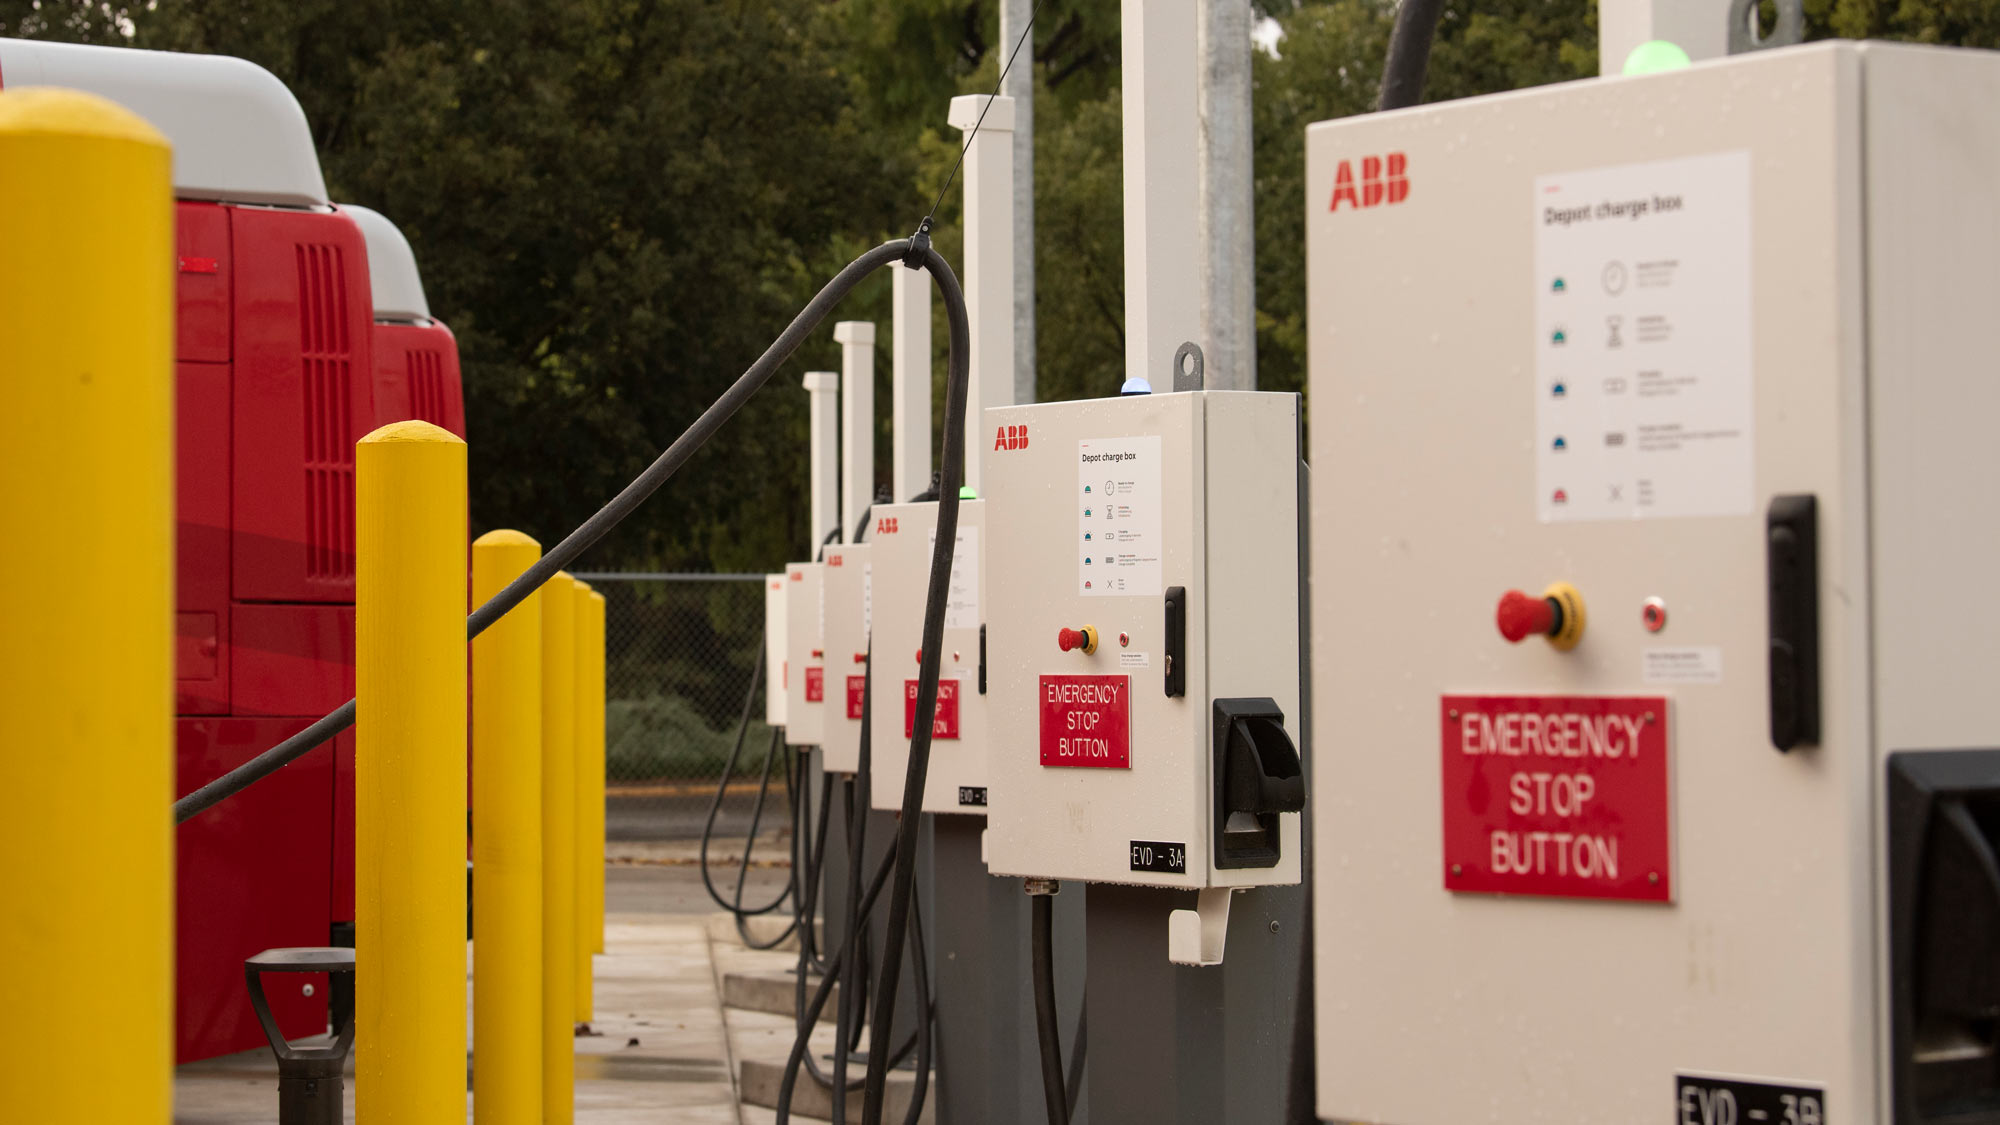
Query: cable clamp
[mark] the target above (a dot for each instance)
(920, 246)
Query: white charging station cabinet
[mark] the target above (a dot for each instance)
(805, 655)
(1686, 383)
(1143, 650)
(903, 539)
(776, 611)
(845, 588)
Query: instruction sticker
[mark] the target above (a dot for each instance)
(1118, 516)
(961, 611)
(1643, 379)
(857, 696)
(815, 685)
(1699, 664)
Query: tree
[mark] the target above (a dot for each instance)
(616, 205)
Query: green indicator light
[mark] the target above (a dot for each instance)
(965, 492)
(1655, 56)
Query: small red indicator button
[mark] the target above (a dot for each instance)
(1521, 616)
(861, 658)
(818, 653)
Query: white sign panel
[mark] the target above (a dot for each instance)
(1642, 347)
(962, 609)
(1118, 516)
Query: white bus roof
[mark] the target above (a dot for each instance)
(392, 267)
(238, 134)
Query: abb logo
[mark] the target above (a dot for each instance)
(1011, 437)
(798, 576)
(886, 525)
(833, 560)
(1384, 179)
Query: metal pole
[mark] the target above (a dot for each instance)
(822, 387)
(558, 851)
(507, 841)
(1019, 85)
(910, 377)
(1227, 228)
(857, 421)
(586, 855)
(1162, 200)
(989, 264)
(86, 727)
(409, 808)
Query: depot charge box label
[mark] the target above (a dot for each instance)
(815, 685)
(1087, 721)
(857, 695)
(945, 724)
(1557, 795)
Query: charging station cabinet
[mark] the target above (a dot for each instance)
(776, 612)
(804, 673)
(1143, 665)
(903, 539)
(1654, 638)
(845, 591)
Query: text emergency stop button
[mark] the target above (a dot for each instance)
(1557, 615)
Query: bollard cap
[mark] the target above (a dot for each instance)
(53, 110)
(507, 537)
(414, 430)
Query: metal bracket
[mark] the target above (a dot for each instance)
(1188, 365)
(1196, 937)
(1789, 29)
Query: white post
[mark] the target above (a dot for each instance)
(1699, 27)
(910, 377)
(1227, 229)
(857, 421)
(989, 264)
(822, 387)
(1020, 85)
(1162, 204)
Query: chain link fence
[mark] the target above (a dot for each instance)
(680, 653)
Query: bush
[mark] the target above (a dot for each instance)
(659, 737)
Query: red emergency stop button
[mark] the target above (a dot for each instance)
(1556, 614)
(1521, 616)
(1084, 638)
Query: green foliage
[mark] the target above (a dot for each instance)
(663, 737)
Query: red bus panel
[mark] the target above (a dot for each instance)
(416, 376)
(250, 874)
(202, 273)
(201, 538)
(302, 399)
(291, 659)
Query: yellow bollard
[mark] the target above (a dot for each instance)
(595, 835)
(86, 674)
(506, 841)
(558, 851)
(589, 792)
(409, 773)
(580, 750)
